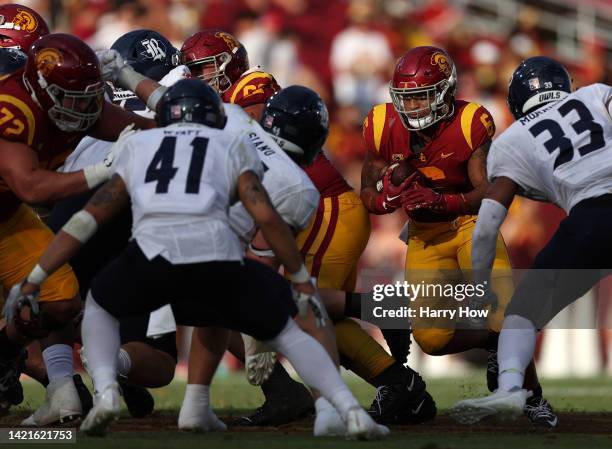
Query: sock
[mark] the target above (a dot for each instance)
(516, 347)
(367, 358)
(537, 391)
(322, 405)
(395, 374)
(58, 360)
(100, 332)
(314, 365)
(197, 396)
(279, 381)
(352, 305)
(8, 349)
(492, 341)
(124, 363)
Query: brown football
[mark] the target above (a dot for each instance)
(401, 172)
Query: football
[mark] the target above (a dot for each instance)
(401, 171)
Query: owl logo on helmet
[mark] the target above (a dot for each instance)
(441, 61)
(228, 39)
(25, 21)
(47, 59)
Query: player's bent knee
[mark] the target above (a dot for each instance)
(432, 341)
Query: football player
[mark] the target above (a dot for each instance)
(331, 252)
(143, 362)
(47, 107)
(181, 180)
(558, 150)
(447, 140)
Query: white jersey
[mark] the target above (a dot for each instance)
(291, 192)
(182, 180)
(561, 152)
(90, 150)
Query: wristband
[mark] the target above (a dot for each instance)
(96, 174)
(37, 276)
(81, 226)
(300, 276)
(155, 97)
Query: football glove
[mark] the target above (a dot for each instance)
(390, 197)
(425, 198)
(303, 300)
(176, 74)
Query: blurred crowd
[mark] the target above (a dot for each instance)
(346, 50)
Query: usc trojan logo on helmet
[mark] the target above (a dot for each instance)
(441, 61)
(47, 59)
(228, 39)
(25, 21)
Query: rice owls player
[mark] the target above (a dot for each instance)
(296, 199)
(181, 180)
(559, 150)
(143, 362)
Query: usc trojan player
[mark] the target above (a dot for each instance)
(447, 141)
(46, 107)
(331, 246)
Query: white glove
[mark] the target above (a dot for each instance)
(101, 172)
(176, 74)
(303, 300)
(111, 63)
(16, 300)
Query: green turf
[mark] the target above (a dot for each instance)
(231, 396)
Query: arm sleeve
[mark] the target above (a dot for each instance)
(484, 239)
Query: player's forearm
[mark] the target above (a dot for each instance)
(62, 248)
(484, 238)
(42, 186)
(471, 201)
(281, 241)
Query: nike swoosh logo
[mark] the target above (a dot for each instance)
(415, 411)
(444, 156)
(553, 423)
(409, 388)
(391, 198)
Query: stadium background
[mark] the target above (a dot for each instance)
(346, 49)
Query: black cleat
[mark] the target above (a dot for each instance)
(11, 392)
(398, 341)
(138, 400)
(84, 394)
(540, 413)
(294, 404)
(393, 398)
(419, 411)
(492, 370)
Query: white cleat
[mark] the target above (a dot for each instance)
(259, 360)
(203, 420)
(259, 367)
(62, 404)
(360, 426)
(104, 412)
(328, 422)
(504, 405)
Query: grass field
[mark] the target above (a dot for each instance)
(585, 408)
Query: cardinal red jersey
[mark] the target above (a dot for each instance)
(444, 159)
(22, 120)
(326, 178)
(253, 87)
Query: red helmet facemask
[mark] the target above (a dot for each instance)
(423, 87)
(62, 75)
(216, 57)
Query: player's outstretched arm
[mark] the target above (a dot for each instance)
(491, 215)
(19, 168)
(114, 119)
(277, 233)
(108, 201)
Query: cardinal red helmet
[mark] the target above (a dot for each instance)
(63, 76)
(216, 57)
(423, 87)
(20, 26)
